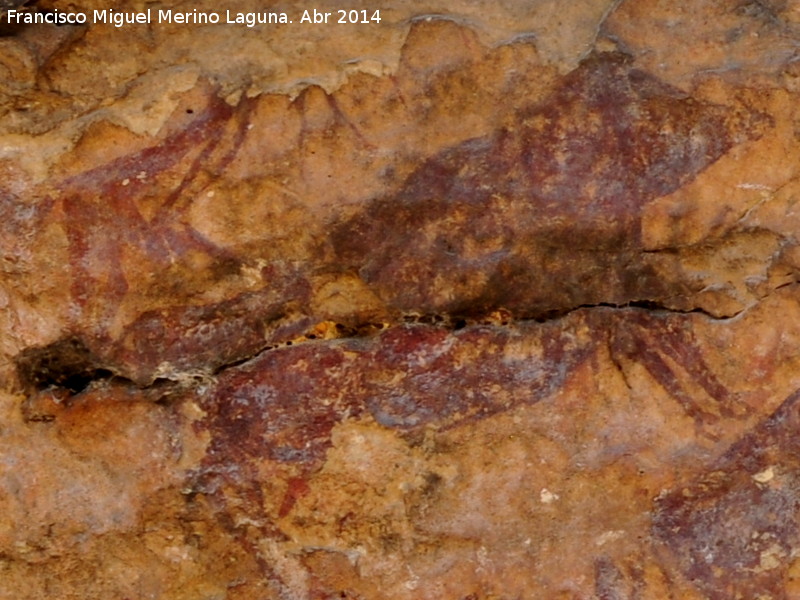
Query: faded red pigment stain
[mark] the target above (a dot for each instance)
(539, 214)
(733, 531)
(284, 404)
(297, 487)
(280, 408)
(103, 218)
(202, 339)
(668, 350)
(106, 228)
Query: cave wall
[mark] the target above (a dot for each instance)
(484, 300)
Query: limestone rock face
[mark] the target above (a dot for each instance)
(486, 301)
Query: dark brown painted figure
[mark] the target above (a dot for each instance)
(543, 215)
(538, 218)
(734, 530)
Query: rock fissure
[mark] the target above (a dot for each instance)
(68, 365)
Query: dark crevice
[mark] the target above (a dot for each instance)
(652, 306)
(458, 322)
(648, 305)
(783, 285)
(69, 366)
(66, 364)
(241, 361)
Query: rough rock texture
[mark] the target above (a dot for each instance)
(485, 301)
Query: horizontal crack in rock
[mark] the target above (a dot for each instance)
(69, 367)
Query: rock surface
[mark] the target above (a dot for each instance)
(492, 301)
